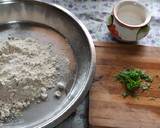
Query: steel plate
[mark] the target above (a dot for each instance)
(50, 22)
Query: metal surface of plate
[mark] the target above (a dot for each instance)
(51, 23)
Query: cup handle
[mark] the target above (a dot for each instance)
(142, 32)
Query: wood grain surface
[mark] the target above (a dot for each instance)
(107, 107)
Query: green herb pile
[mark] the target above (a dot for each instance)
(134, 79)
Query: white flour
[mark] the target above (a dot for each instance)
(27, 70)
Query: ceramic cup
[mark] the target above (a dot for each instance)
(129, 21)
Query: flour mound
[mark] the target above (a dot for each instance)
(28, 69)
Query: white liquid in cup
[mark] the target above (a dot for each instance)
(131, 14)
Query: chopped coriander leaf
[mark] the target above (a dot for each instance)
(125, 94)
(133, 79)
(145, 77)
(145, 86)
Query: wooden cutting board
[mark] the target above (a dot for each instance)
(107, 107)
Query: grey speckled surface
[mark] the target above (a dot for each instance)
(79, 118)
(93, 13)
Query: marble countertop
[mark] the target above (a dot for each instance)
(94, 13)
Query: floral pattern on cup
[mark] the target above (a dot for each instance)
(112, 27)
(143, 31)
